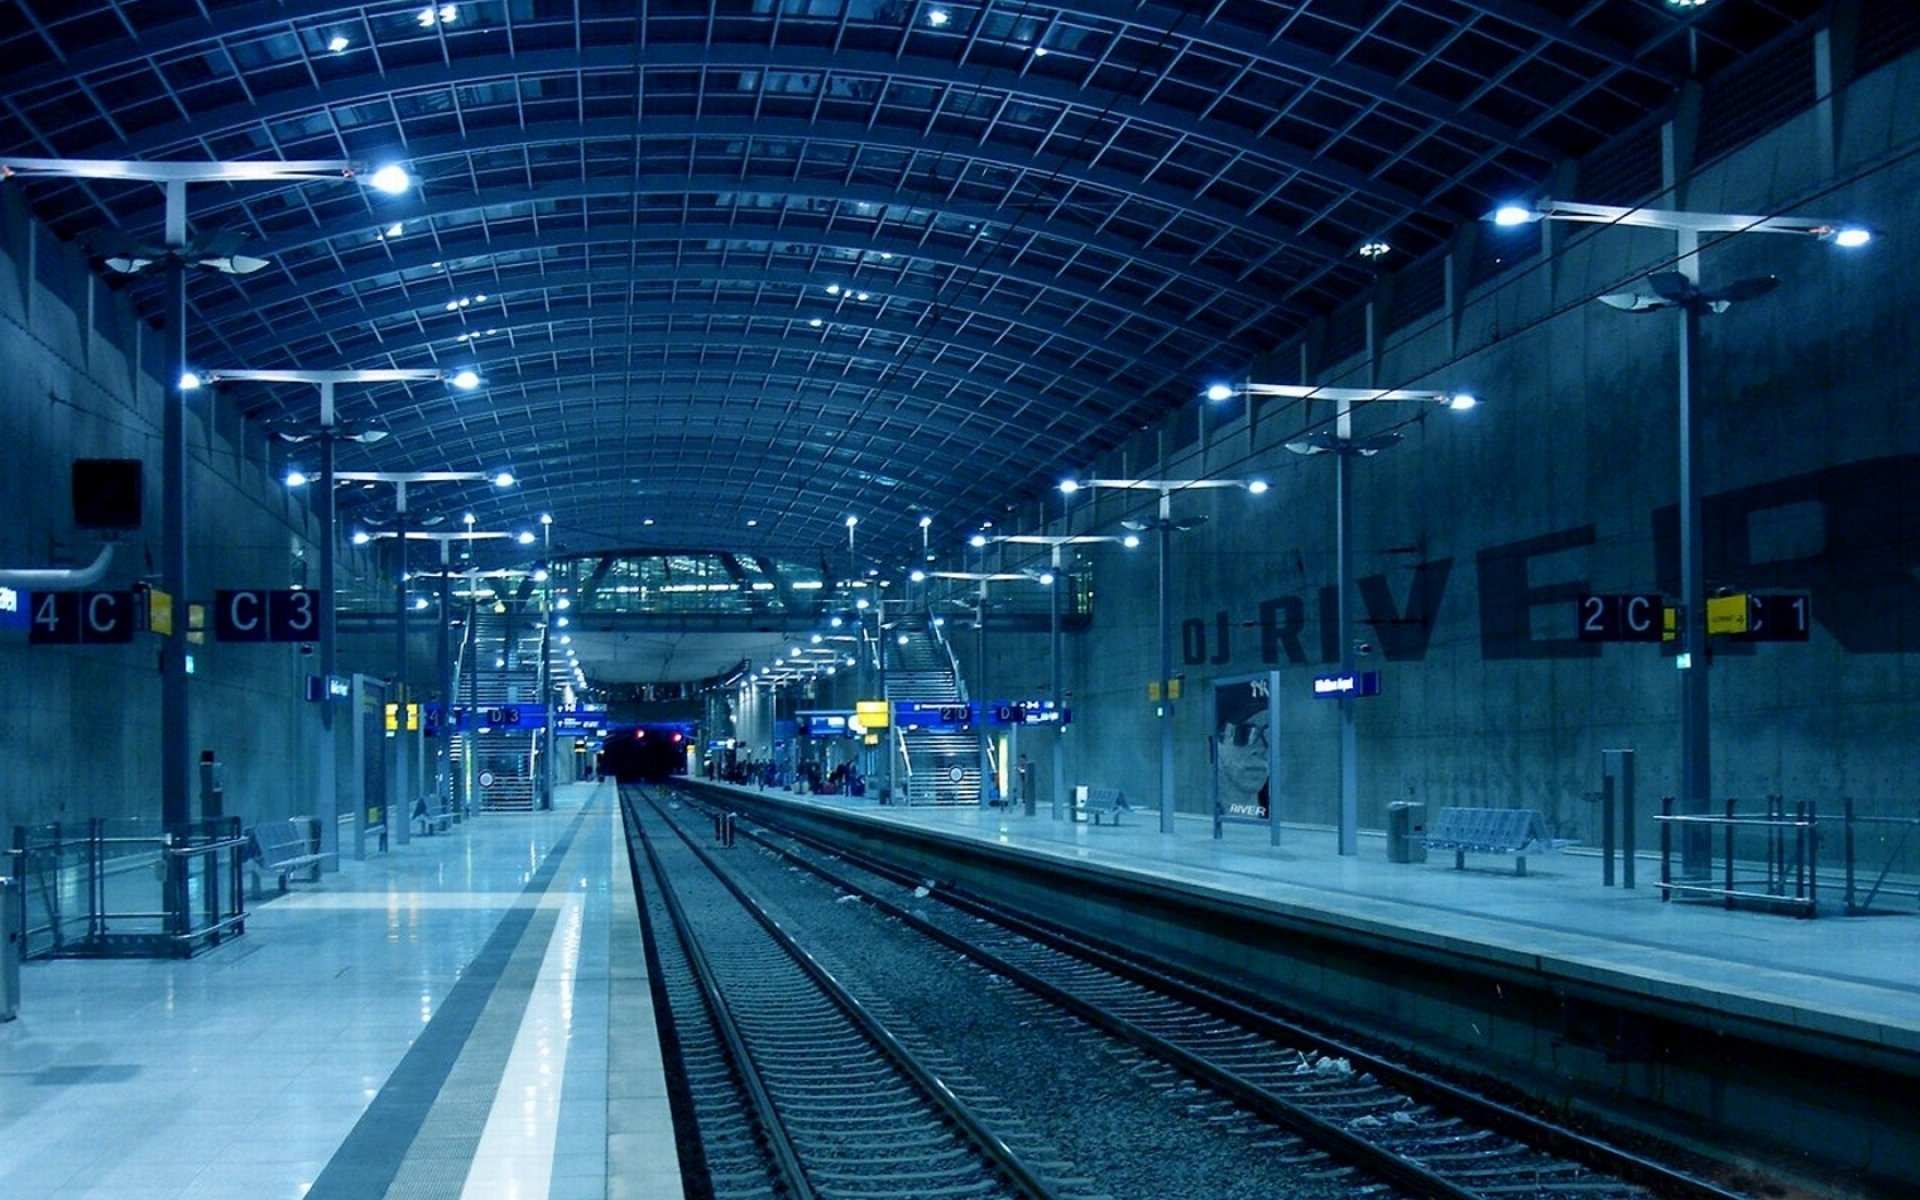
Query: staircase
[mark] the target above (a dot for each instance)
(504, 665)
(937, 767)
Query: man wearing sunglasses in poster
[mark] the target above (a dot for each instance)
(1241, 749)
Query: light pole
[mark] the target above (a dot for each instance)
(330, 430)
(173, 254)
(1057, 543)
(546, 656)
(1164, 524)
(443, 778)
(1680, 288)
(1345, 447)
(400, 803)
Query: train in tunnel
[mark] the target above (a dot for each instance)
(645, 753)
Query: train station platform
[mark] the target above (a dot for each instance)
(1861, 973)
(1728, 1022)
(467, 1015)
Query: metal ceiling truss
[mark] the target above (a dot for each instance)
(1065, 216)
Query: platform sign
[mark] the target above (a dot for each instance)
(1784, 617)
(13, 608)
(1727, 614)
(824, 723)
(871, 714)
(266, 615)
(580, 720)
(1631, 617)
(1360, 683)
(80, 618)
(1043, 712)
(933, 714)
(327, 688)
(514, 716)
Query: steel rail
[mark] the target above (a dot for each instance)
(766, 1116)
(970, 1124)
(1521, 1126)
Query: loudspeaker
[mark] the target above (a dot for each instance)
(106, 493)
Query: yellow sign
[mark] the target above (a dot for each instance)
(1669, 623)
(1173, 689)
(1727, 614)
(197, 623)
(393, 718)
(872, 714)
(159, 612)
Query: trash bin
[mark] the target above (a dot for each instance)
(10, 939)
(1406, 832)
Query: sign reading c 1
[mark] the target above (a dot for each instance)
(266, 615)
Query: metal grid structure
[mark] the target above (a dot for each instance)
(735, 271)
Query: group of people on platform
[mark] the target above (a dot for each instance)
(843, 780)
(810, 777)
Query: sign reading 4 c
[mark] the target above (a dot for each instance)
(80, 618)
(266, 615)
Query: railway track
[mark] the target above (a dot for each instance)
(798, 1090)
(1331, 1119)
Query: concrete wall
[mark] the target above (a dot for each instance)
(1476, 532)
(80, 725)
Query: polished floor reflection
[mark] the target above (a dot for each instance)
(438, 1021)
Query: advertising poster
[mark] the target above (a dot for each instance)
(1245, 712)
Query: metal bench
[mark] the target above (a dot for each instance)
(279, 848)
(429, 817)
(1515, 831)
(1097, 802)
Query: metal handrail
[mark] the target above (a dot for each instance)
(1757, 822)
(1802, 873)
(953, 661)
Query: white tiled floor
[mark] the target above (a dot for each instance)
(241, 1073)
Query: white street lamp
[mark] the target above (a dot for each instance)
(330, 430)
(174, 254)
(1344, 446)
(1847, 234)
(402, 802)
(1680, 289)
(1050, 580)
(1166, 526)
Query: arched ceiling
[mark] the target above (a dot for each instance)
(786, 261)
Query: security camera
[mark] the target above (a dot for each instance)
(1362, 648)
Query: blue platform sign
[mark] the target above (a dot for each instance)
(1332, 687)
(933, 714)
(13, 608)
(514, 716)
(580, 720)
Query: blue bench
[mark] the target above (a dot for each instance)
(1097, 802)
(429, 818)
(279, 848)
(1515, 831)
